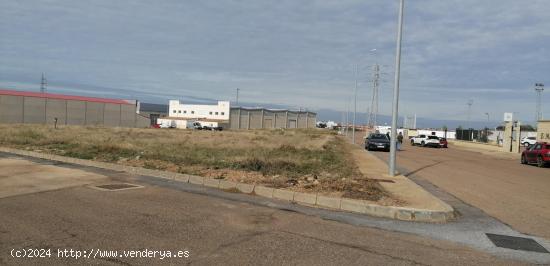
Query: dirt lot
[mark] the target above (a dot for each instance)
(301, 160)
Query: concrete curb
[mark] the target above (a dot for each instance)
(307, 199)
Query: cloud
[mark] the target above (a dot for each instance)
(297, 53)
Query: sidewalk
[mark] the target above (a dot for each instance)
(409, 193)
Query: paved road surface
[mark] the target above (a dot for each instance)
(516, 194)
(213, 230)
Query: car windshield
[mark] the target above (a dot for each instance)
(433, 137)
(378, 136)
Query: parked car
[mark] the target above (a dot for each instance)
(538, 154)
(526, 141)
(377, 141)
(425, 141)
(443, 142)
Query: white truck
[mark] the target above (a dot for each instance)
(425, 141)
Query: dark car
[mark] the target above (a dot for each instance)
(443, 142)
(377, 141)
(538, 153)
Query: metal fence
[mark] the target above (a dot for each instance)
(473, 135)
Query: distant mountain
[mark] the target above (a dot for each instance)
(421, 122)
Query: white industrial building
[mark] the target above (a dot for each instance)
(183, 115)
(199, 111)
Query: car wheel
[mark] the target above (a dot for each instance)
(523, 159)
(540, 162)
(423, 144)
(526, 144)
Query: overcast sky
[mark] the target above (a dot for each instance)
(295, 53)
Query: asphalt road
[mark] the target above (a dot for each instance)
(516, 194)
(213, 230)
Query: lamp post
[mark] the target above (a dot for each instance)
(539, 88)
(354, 107)
(395, 110)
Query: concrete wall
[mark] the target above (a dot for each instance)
(111, 115)
(34, 110)
(56, 109)
(11, 109)
(76, 113)
(543, 130)
(22, 109)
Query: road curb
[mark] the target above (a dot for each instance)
(307, 199)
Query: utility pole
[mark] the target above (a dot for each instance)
(393, 144)
(354, 107)
(237, 102)
(43, 83)
(347, 120)
(469, 103)
(539, 88)
(374, 100)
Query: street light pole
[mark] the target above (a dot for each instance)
(395, 110)
(237, 102)
(354, 107)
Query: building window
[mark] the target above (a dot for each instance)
(223, 113)
(174, 111)
(184, 111)
(216, 113)
(210, 113)
(179, 111)
(192, 112)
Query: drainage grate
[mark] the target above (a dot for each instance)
(517, 243)
(119, 186)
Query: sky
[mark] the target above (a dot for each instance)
(300, 54)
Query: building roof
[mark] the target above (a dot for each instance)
(271, 110)
(64, 97)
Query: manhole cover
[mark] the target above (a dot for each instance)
(517, 243)
(119, 186)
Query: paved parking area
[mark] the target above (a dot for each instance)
(19, 176)
(214, 230)
(516, 194)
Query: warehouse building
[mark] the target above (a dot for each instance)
(49, 108)
(223, 115)
(254, 118)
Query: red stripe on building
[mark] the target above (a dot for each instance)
(64, 97)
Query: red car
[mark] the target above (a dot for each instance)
(539, 154)
(442, 142)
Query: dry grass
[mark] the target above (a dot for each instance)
(302, 160)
